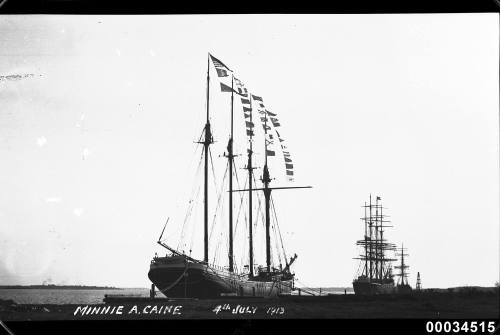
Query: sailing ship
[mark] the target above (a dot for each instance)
(402, 286)
(179, 274)
(376, 275)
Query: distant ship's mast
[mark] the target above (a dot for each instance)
(382, 255)
(366, 243)
(402, 267)
(371, 239)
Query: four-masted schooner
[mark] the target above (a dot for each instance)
(180, 275)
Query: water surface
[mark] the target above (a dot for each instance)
(65, 296)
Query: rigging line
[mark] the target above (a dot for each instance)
(239, 213)
(308, 289)
(217, 254)
(359, 266)
(263, 217)
(279, 231)
(192, 201)
(196, 147)
(217, 236)
(217, 229)
(220, 235)
(193, 189)
(259, 201)
(214, 258)
(186, 227)
(189, 210)
(187, 218)
(221, 192)
(200, 139)
(273, 226)
(213, 170)
(244, 254)
(194, 230)
(256, 232)
(241, 205)
(219, 203)
(259, 211)
(194, 154)
(225, 238)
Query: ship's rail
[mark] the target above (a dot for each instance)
(226, 271)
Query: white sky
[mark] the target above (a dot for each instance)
(96, 145)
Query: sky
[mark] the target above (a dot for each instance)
(97, 138)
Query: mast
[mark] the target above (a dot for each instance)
(206, 143)
(382, 255)
(267, 195)
(250, 176)
(402, 267)
(230, 158)
(371, 243)
(377, 251)
(366, 244)
(403, 274)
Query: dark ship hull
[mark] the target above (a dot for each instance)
(364, 287)
(181, 277)
(403, 289)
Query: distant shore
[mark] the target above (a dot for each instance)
(59, 287)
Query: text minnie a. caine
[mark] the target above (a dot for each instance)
(119, 310)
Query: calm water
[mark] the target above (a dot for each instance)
(55, 296)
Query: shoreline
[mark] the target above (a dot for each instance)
(57, 287)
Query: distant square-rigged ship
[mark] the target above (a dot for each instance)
(402, 286)
(376, 276)
(180, 275)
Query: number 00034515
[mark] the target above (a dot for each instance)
(460, 327)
